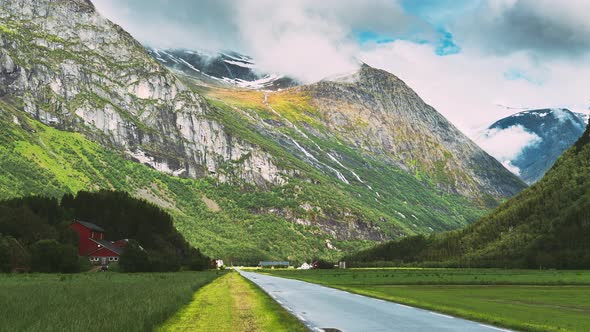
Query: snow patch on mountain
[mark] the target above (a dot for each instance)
(227, 67)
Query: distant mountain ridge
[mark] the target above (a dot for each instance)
(225, 68)
(552, 132)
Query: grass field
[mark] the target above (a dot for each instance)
(232, 303)
(94, 301)
(521, 299)
(416, 276)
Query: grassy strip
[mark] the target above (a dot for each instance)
(552, 300)
(420, 276)
(232, 303)
(94, 301)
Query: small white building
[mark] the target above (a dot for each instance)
(219, 263)
(304, 266)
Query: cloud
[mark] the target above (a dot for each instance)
(463, 57)
(305, 39)
(507, 144)
(205, 25)
(545, 28)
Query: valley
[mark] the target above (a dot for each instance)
(312, 170)
(155, 177)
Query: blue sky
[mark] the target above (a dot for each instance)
(439, 14)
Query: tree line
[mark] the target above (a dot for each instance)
(35, 233)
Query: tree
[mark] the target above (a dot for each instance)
(322, 264)
(196, 261)
(134, 258)
(50, 256)
(5, 257)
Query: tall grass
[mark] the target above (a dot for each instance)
(94, 301)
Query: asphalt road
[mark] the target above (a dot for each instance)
(321, 307)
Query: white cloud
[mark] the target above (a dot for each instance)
(507, 144)
(288, 39)
(305, 39)
(510, 167)
(545, 28)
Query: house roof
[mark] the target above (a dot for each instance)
(108, 245)
(275, 263)
(90, 226)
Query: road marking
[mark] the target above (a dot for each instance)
(437, 314)
(494, 328)
(301, 318)
(405, 306)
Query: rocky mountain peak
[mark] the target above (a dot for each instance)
(86, 4)
(380, 114)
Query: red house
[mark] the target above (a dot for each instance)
(94, 245)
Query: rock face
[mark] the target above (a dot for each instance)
(75, 70)
(378, 113)
(551, 133)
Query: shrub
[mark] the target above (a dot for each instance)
(322, 264)
(51, 256)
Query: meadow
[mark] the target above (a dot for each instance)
(525, 300)
(95, 301)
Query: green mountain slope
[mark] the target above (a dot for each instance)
(547, 225)
(40, 160)
(244, 173)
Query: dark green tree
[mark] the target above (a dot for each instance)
(134, 258)
(50, 256)
(5, 256)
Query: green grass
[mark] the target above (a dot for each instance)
(232, 303)
(94, 301)
(526, 300)
(419, 276)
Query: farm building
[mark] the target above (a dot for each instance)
(93, 244)
(273, 264)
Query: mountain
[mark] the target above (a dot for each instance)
(308, 171)
(551, 132)
(222, 68)
(546, 225)
(379, 114)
